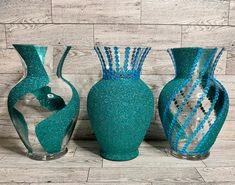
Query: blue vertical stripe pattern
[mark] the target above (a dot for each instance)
(126, 69)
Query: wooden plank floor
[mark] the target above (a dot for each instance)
(83, 165)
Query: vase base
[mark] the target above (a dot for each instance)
(189, 157)
(119, 157)
(47, 157)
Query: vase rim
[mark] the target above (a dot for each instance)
(98, 45)
(204, 48)
(41, 45)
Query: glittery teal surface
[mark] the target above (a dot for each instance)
(120, 110)
(185, 61)
(52, 130)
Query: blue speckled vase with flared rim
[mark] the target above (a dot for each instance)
(194, 105)
(120, 106)
(43, 105)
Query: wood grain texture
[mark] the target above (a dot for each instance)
(209, 36)
(83, 130)
(30, 11)
(7, 81)
(145, 169)
(230, 68)
(2, 36)
(10, 62)
(50, 34)
(185, 12)
(140, 175)
(194, 183)
(231, 115)
(7, 129)
(43, 175)
(82, 158)
(232, 13)
(15, 147)
(131, 183)
(88, 11)
(11, 146)
(221, 159)
(157, 36)
(87, 183)
(1, 156)
(221, 145)
(14, 183)
(228, 82)
(155, 131)
(228, 130)
(81, 61)
(221, 154)
(154, 160)
(159, 62)
(217, 174)
(83, 83)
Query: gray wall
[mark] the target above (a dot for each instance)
(160, 24)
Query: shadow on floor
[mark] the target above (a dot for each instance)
(13, 145)
(89, 145)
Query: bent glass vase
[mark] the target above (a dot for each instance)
(43, 105)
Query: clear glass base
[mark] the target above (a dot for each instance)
(189, 157)
(47, 157)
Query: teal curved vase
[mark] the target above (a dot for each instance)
(120, 106)
(43, 105)
(194, 105)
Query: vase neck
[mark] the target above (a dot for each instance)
(196, 62)
(37, 65)
(33, 58)
(121, 62)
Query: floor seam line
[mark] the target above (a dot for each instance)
(200, 175)
(88, 173)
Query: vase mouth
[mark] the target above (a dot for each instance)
(40, 45)
(98, 45)
(195, 60)
(121, 62)
(191, 48)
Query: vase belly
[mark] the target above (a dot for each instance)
(222, 101)
(120, 112)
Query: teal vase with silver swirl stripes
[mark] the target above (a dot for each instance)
(194, 105)
(43, 105)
